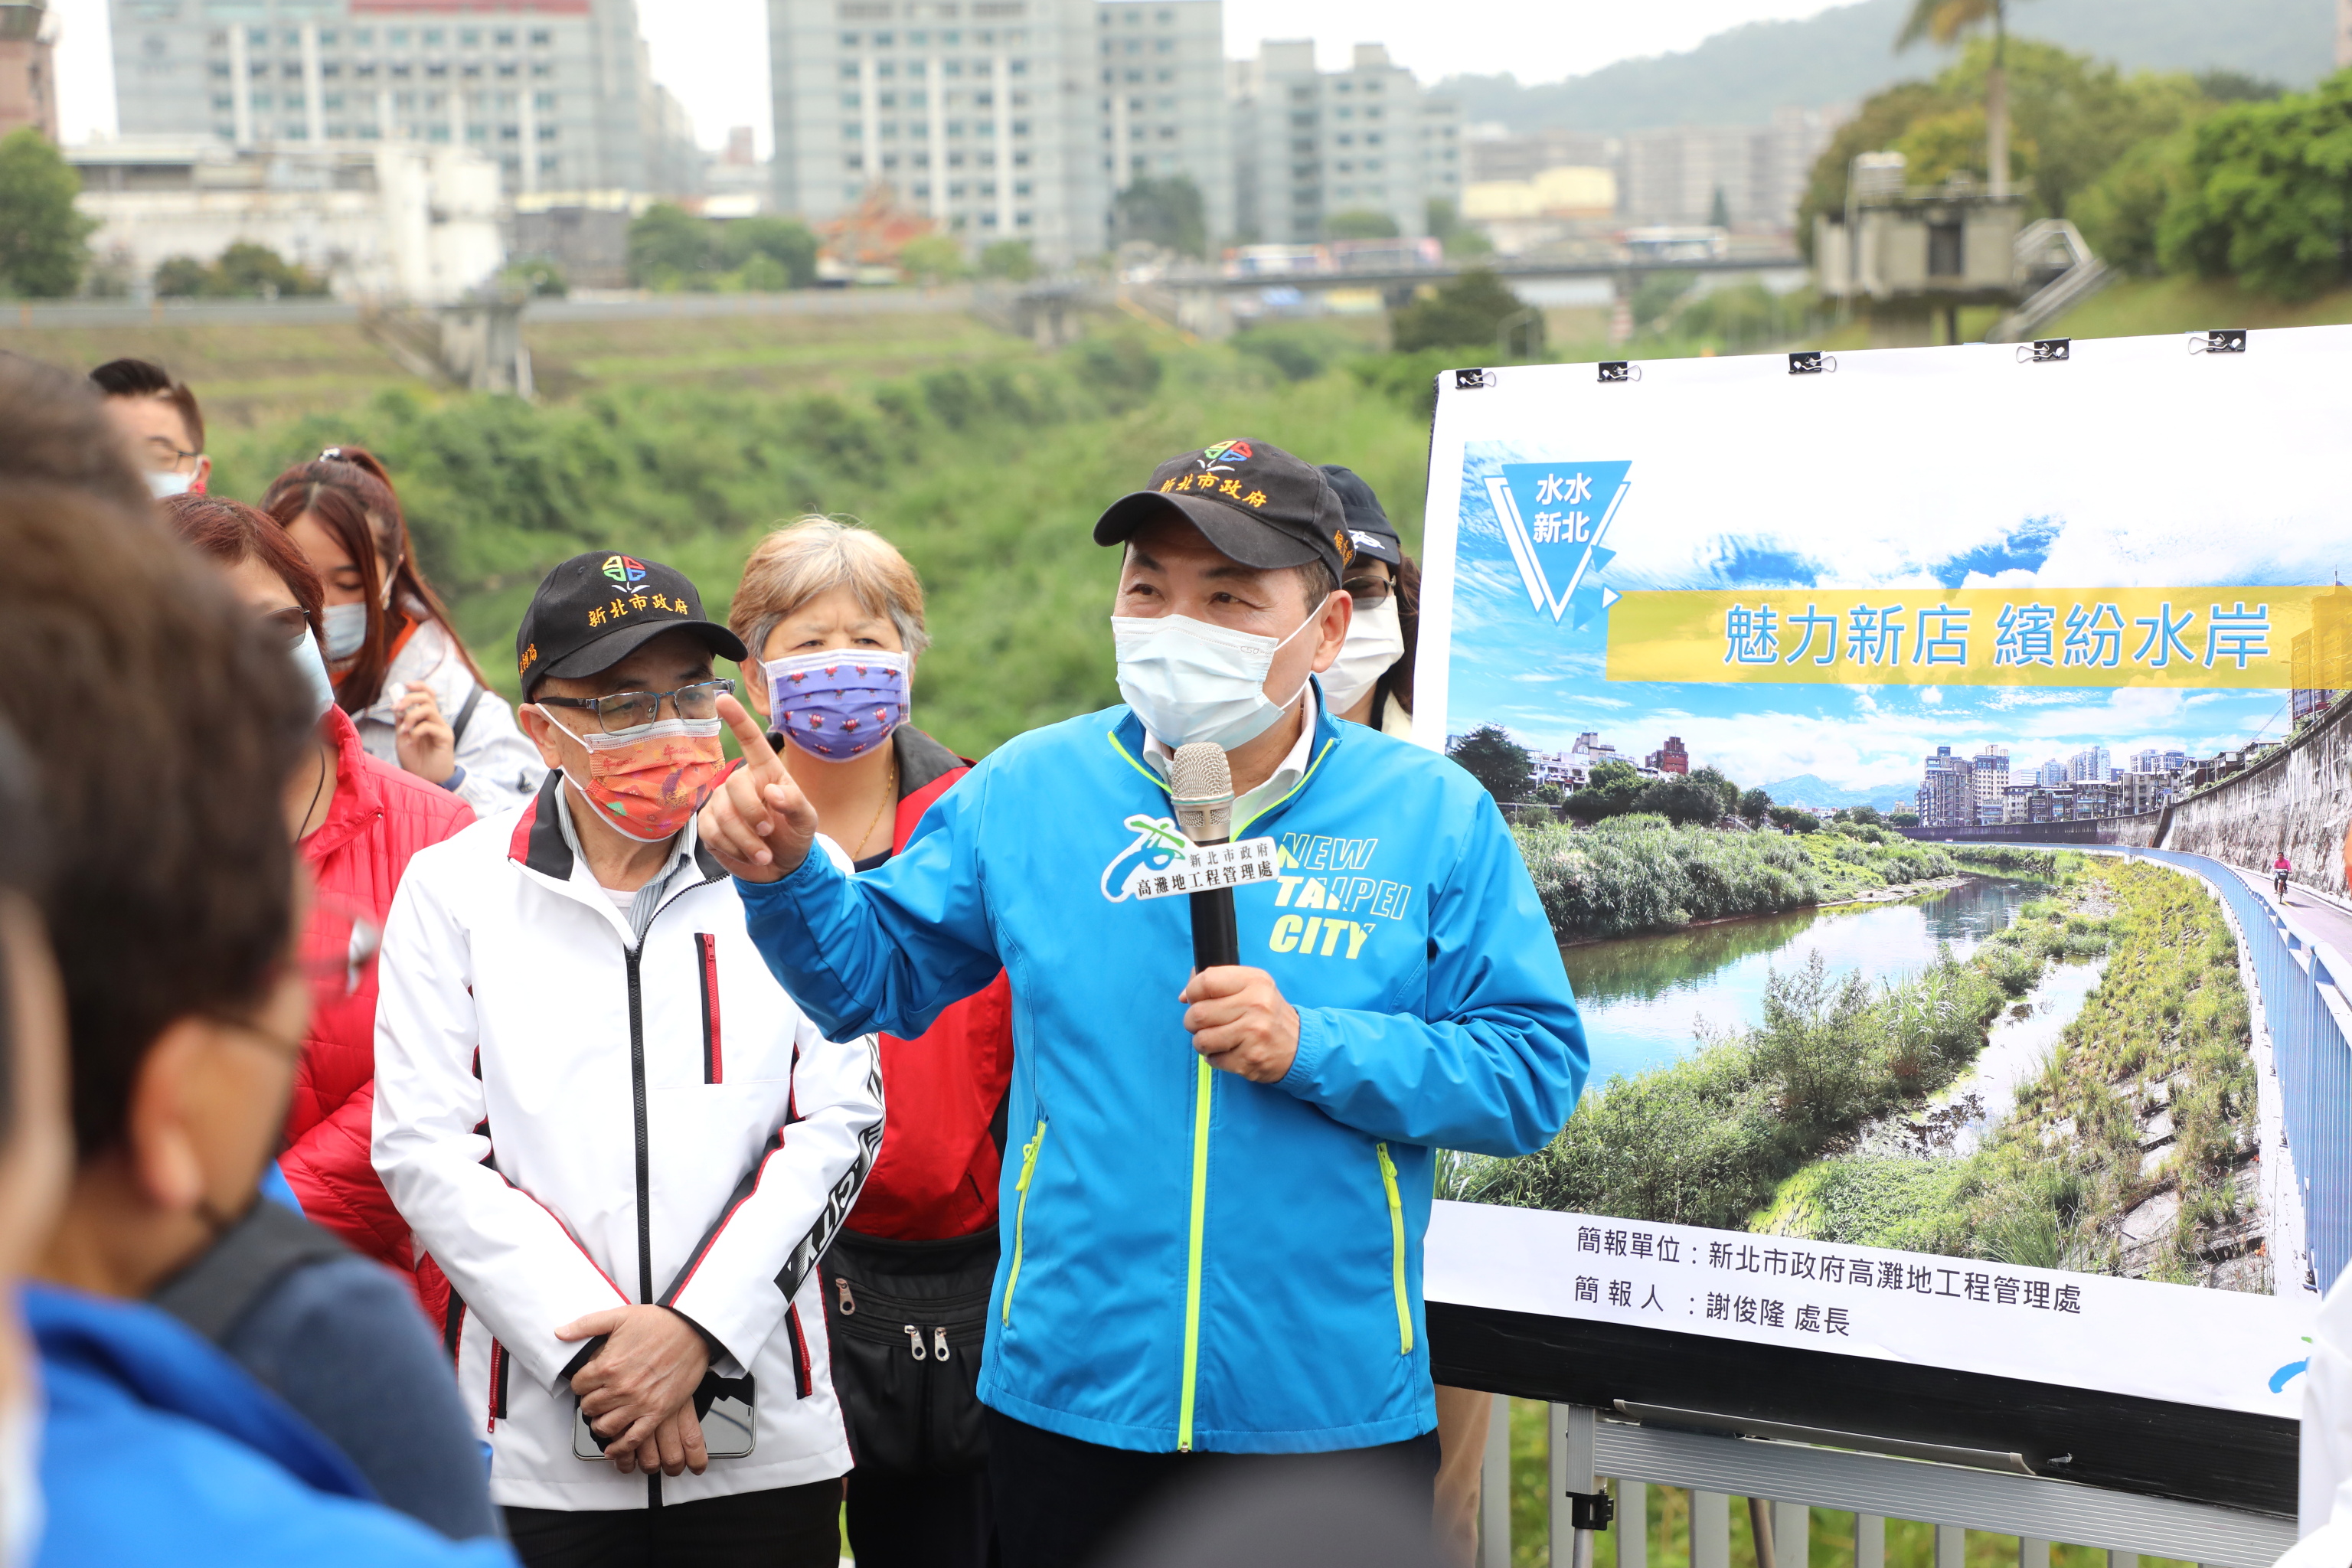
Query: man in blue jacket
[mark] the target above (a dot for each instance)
(1222, 1179)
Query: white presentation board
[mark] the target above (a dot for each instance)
(1865, 584)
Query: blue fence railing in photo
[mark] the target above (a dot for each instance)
(2314, 1060)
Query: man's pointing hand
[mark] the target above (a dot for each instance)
(758, 822)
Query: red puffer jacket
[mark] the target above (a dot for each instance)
(380, 817)
(937, 1174)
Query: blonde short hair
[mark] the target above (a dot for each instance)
(812, 557)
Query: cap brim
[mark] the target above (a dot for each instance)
(615, 645)
(1232, 532)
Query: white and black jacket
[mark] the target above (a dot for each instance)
(570, 1120)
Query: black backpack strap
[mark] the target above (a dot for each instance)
(213, 1294)
(465, 717)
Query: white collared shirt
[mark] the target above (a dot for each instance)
(636, 908)
(1285, 776)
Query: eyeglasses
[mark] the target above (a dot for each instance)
(1369, 592)
(161, 449)
(626, 710)
(289, 623)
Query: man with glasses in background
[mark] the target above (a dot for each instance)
(160, 418)
(617, 1134)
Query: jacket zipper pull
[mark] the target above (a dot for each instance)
(940, 1343)
(915, 1342)
(848, 1302)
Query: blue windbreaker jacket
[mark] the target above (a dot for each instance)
(1194, 1260)
(157, 1447)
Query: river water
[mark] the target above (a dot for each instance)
(1645, 998)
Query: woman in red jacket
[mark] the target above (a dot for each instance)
(833, 617)
(357, 821)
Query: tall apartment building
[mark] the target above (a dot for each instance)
(1310, 144)
(1674, 176)
(557, 91)
(1990, 772)
(1947, 792)
(28, 68)
(2089, 765)
(998, 118)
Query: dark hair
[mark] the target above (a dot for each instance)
(232, 533)
(20, 861)
(348, 491)
(56, 430)
(1319, 582)
(1395, 683)
(145, 378)
(171, 887)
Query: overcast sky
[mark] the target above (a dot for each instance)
(713, 53)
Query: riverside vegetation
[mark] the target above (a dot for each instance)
(1641, 873)
(1754, 1130)
(2166, 1035)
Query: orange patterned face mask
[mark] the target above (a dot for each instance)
(648, 783)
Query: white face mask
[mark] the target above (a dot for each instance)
(1374, 642)
(1189, 680)
(346, 629)
(168, 484)
(21, 1513)
(307, 659)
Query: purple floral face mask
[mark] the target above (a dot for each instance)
(837, 703)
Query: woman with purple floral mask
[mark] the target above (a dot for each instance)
(832, 618)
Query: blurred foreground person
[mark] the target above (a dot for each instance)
(336, 1335)
(1371, 683)
(832, 618)
(1311, 1510)
(160, 419)
(401, 671)
(35, 1148)
(174, 934)
(1225, 1175)
(620, 1137)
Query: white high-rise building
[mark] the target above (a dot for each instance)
(1990, 770)
(1311, 144)
(556, 92)
(999, 119)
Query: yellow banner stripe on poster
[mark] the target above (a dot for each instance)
(2232, 636)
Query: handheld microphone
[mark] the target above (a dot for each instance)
(1201, 788)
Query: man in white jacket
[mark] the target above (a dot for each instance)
(617, 1135)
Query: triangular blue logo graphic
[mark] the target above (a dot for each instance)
(1553, 516)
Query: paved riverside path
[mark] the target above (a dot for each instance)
(2316, 918)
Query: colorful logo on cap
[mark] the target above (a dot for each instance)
(625, 571)
(1224, 452)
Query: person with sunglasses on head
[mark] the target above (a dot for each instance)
(1372, 680)
(401, 671)
(163, 422)
(618, 1135)
(330, 1331)
(1371, 683)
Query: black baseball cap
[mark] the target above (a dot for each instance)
(1254, 501)
(595, 610)
(1369, 528)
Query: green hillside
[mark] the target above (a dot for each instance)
(987, 470)
(1740, 75)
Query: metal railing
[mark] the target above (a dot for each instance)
(2303, 1002)
(1784, 1482)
